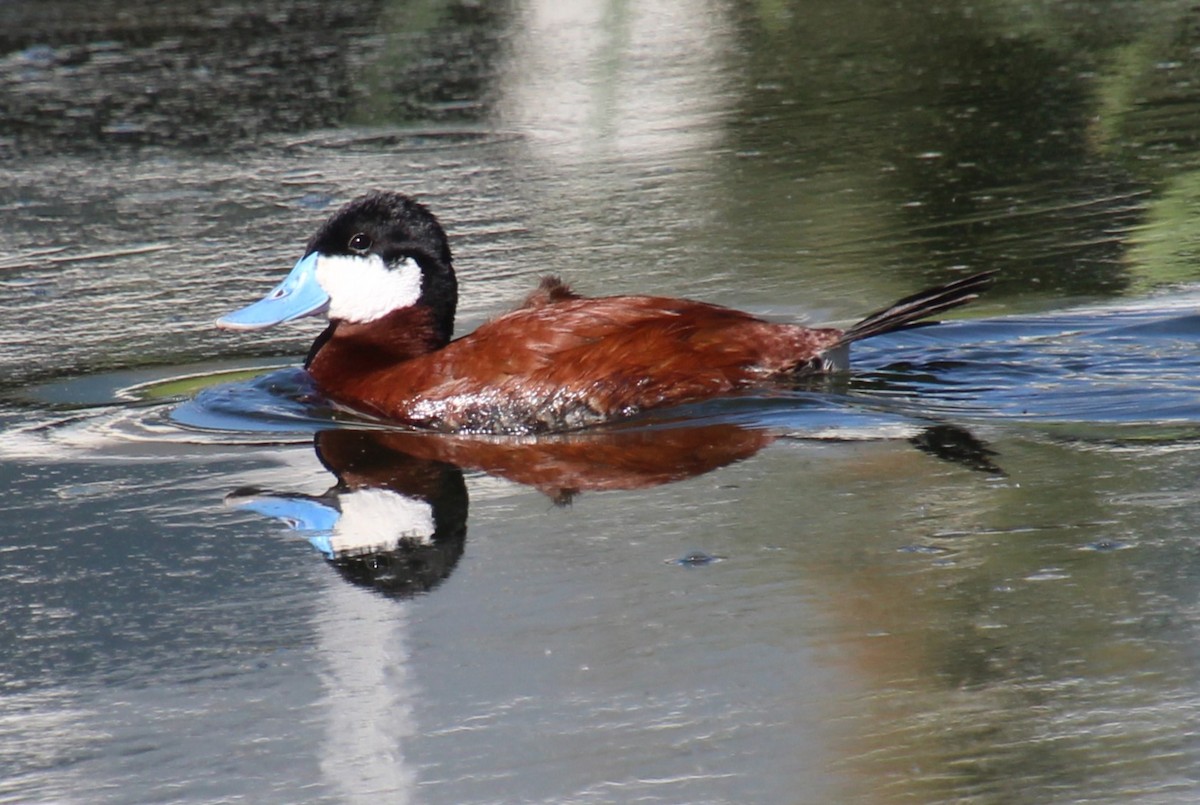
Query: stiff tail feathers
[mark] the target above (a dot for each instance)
(911, 310)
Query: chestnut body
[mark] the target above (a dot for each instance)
(563, 365)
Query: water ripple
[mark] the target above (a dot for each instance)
(1132, 366)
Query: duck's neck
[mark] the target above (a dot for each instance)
(349, 351)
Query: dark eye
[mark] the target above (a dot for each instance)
(361, 243)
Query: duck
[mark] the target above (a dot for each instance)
(380, 270)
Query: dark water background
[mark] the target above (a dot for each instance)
(968, 572)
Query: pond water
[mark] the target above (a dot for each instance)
(968, 571)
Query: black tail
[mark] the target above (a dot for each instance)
(912, 309)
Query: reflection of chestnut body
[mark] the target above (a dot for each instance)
(564, 465)
(397, 518)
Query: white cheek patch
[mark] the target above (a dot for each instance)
(378, 519)
(362, 289)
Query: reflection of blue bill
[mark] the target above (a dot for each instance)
(363, 521)
(300, 513)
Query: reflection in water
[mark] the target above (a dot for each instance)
(368, 697)
(638, 82)
(393, 521)
(396, 520)
(955, 444)
(563, 466)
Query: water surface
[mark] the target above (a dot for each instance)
(965, 572)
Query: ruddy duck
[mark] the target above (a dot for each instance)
(380, 270)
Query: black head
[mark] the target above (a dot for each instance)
(387, 220)
(398, 231)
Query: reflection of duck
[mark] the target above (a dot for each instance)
(397, 518)
(564, 465)
(394, 522)
(381, 269)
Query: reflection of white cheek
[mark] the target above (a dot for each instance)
(377, 519)
(363, 289)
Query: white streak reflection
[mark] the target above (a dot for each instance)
(368, 695)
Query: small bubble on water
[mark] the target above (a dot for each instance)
(1048, 574)
(696, 559)
(315, 201)
(928, 550)
(1106, 545)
